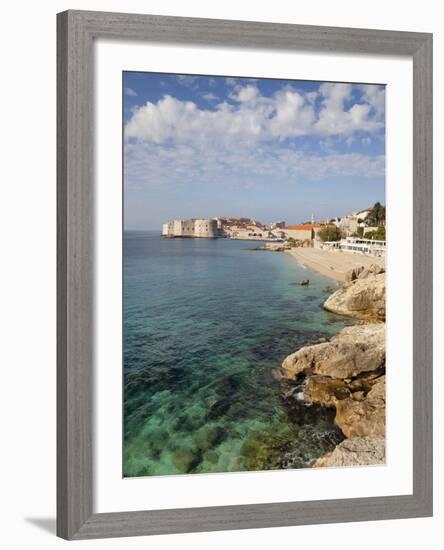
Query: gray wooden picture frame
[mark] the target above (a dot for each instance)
(76, 32)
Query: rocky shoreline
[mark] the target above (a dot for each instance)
(347, 372)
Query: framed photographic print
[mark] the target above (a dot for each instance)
(244, 274)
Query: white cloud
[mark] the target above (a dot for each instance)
(230, 81)
(210, 96)
(253, 117)
(335, 118)
(245, 94)
(158, 165)
(171, 120)
(130, 92)
(294, 116)
(174, 141)
(375, 96)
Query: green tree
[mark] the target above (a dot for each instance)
(377, 235)
(359, 232)
(329, 233)
(376, 216)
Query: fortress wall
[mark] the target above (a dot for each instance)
(177, 228)
(168, 229)
(188, 228)
(183, 228)
(205, 228)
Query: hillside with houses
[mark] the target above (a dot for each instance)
(362, 231)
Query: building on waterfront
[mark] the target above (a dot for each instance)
(277, 225)
(302, 232)
(356, 244)
(348, 224)
(369, 230)
(205, 228)
(168, 229)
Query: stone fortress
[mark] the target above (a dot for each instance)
(205, 228)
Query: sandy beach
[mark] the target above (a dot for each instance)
(332, 264)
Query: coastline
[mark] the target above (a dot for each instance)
(347, 372)
(335, 265)
(220, 427)
(199, 383)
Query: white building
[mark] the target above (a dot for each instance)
(349, 224)
(277, 225)
(358, 245)
(196, 228)
(362, 215)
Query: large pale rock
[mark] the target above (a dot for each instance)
(324, 390)
(353, 351)
(360, 411)
(364, 416)
(373, 269)
(354, 273)
(359, 451)
(362, 272)
(346, 373)
(363, 297)
(327, 391)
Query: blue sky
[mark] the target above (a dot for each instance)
(198, 146)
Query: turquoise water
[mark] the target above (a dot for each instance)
(205, 324)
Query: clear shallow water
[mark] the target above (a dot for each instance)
(205, 324)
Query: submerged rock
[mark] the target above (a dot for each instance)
(363, 297)
(218, 409)
(263, 451)
(185, 460)
(358, 451)
(208, 438)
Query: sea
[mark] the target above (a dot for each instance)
(206, 324)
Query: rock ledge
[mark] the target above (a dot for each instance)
(359, 451)
(362, 297)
